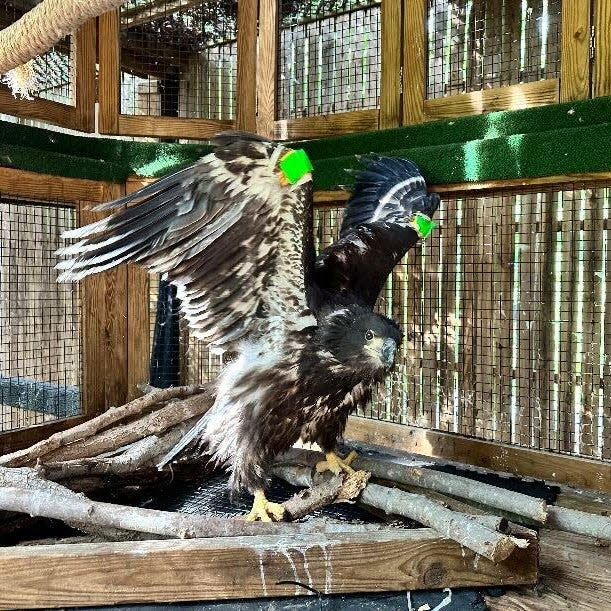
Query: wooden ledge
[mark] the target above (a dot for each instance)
(242, 567)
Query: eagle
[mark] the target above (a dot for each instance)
(234, 233)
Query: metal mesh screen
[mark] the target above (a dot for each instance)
(506, 311)
(40, 368)
(480, 44)
(53, 70)
(329, 58)
(179, 58)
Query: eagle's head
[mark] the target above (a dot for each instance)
(359, 338)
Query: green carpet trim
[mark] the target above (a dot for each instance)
(559, 139)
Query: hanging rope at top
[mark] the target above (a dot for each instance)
(37, 31)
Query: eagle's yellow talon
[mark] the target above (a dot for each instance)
(336, 464)
(263, 510)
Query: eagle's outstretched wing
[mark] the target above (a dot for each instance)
(228, 231)
(378, 228)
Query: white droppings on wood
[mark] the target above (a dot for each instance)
(260, 554)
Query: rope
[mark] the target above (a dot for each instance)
(39, 29)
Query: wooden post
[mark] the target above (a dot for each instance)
(414, 52)
(390, 86)
(575, 50)
(267, 77)
(601, 77)
(246, 103)
(84, 80)
(109, 77)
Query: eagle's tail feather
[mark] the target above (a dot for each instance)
(195, 434)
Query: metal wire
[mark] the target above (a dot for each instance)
(179, 58)
(480, 44)
(40, 369)
(329, 59)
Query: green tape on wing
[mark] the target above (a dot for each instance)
(422, 224)
(295, 165)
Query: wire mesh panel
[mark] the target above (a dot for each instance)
(179, 58)
(53, 73)
(480, 44)
(40, 368)
(329, 58)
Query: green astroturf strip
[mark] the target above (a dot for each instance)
(558, 139)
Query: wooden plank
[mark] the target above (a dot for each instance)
(31, 185)
(601, 68)
(327, 125)
(414, 53)
(267, 75)
(16, 440)
(513, 97)
(110, 73)
(390, 80)
(152, 11)
(575, 51)
(581, 472)
(244, 567)
(171, 127)
(575, 574)
(38, 109)
(85, 77)
(606, 437)
(246, 95)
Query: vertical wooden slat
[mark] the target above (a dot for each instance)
(601, 77)
(575, 51)
(414, 53)
(246, 94)
(85, 79)
(267, 67)
(110, 73)
(390, 84)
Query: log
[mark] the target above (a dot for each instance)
(446, 483)
(580, 522)
(460, 527)
(73, 508)
(154, 423)
(103, 421)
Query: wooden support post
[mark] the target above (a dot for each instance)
(601, 77)
(84, 79)
(390, 86)
(267, 67)
(109, 78)
(246, 98)
(575, 51)
(414, 54)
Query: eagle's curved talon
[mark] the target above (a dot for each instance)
(264, 510)
(336, 464)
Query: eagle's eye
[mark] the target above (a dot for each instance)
(369, 335)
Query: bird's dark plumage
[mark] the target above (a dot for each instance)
(236, 239)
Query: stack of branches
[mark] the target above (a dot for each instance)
(123, 446)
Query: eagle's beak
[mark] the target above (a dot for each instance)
(388, 352)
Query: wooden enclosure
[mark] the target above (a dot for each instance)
(506, 308)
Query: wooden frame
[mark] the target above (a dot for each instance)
(111, 121)
(48, 576)
(112, 355)
(573, 83)
(81, 115)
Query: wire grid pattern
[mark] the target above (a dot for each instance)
(480, 44)
(40, 348)
(329, 58)
(179, 58)
(52, 70)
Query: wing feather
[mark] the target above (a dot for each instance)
(218, 231)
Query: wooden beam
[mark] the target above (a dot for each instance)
(30, 185)
(513, 97)
(571, 470)
(38, 109)
(575, 51)
(244, 567)
(151, 11)
(267, 67)
(327, 125)
(110, 73)
(246, 93)
(601, 77)
(414, 54)
(390, 84)
(171, 127)
(85, 76)
(11, 441)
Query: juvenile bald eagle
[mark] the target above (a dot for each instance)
(234, 233)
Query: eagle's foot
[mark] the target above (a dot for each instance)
(336, 464)
(264, 510)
